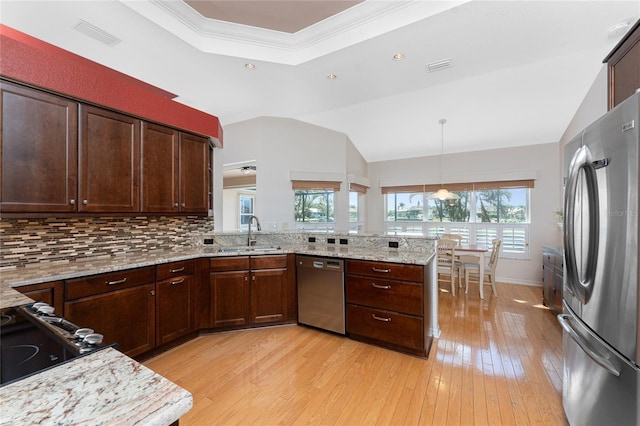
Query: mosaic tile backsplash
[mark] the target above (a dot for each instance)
(47, 240)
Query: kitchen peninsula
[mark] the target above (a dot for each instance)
(132, 382)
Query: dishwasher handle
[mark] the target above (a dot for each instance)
(318, 265)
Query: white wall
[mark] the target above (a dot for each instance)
(281, 146)
(540, 161)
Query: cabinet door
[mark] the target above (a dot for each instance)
(159, 168)
(125, 316)
(229, 298)
(194, 166)
(49, 293)
(268, 296)
(109, 161)
(174, 308)
(39, 149)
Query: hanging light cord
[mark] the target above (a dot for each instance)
(442, 122)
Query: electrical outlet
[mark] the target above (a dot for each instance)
(393, 244)
(344, 241)
(331, 240)
(208, 240)
(312, 239)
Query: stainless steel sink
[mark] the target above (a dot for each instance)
(252, 249)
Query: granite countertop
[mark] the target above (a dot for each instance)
(67, 270)
(105, 387)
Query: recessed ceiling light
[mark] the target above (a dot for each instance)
(398, 56)
(250, 66)
(332, 76)
(439, 65)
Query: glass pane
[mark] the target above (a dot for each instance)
(314, 206)
(502, 205)
(445, 211)
(353, 207)
(405, 206)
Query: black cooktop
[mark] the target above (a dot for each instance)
(31, 342)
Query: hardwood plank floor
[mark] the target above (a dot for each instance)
(497, 362)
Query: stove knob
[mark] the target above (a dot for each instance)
(93, 339)
(81, 333)
(47, 310)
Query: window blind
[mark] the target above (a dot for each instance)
(315, 184)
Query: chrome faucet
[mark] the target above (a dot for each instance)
(252, 240)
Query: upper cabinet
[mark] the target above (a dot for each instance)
(194, 169)
(39, 151)
(109, 161)
(175, 168)
(624, 67)
(59, 156)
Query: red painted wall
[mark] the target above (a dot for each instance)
(29, 60)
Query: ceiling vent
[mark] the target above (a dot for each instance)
(439, 65)
(96, 33)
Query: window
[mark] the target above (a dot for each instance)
(484, 211)
(357, 193)
(246, 210)
(314, 206)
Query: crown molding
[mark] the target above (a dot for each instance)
(354, 25)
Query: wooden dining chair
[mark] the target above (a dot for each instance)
(472, 269)
(448, 265)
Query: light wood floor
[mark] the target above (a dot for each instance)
(498, 361)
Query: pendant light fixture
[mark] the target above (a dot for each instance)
(443, 194)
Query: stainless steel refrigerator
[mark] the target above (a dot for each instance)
(600, 306)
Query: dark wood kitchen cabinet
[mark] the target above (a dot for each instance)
(552, 278)
(109, 161)
(50, 293)
(229, 292)
(39, 149)
(174, 300)
(174, 171)
(623, 66)
(194, 178)
(252, 290)
(120, 305)
(387, 305)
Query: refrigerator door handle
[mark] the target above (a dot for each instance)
(581, 286)
(599, 359)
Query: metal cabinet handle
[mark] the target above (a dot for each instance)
(382, 287)
(72, 201)
(377, 318)
(177, 282)
(184, 205)
(85, 202)
(384, 271)
(173, 271)
(175, 205)
(122, 281)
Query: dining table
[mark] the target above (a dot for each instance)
(479, 251)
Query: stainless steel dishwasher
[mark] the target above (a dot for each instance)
(321, 292)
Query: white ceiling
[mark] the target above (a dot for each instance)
(520, 69)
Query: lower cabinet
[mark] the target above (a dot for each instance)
(252, 290)
(387, 305)
(552, 278)
(174, 301)
(119, 305)
(50, 293)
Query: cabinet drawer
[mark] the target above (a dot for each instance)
(386, 327)
(385, 294)
(269, 262)
(229, 263)
(104, 283)
(386, 270)
(174, 269)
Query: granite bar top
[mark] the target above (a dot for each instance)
(46, 272)
(105, 387)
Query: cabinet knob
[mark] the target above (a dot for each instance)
(184, 205)
(175, 205)
(85, 202)
(72, 201)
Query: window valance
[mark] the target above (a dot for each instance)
(464, 186)
(315, 184)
